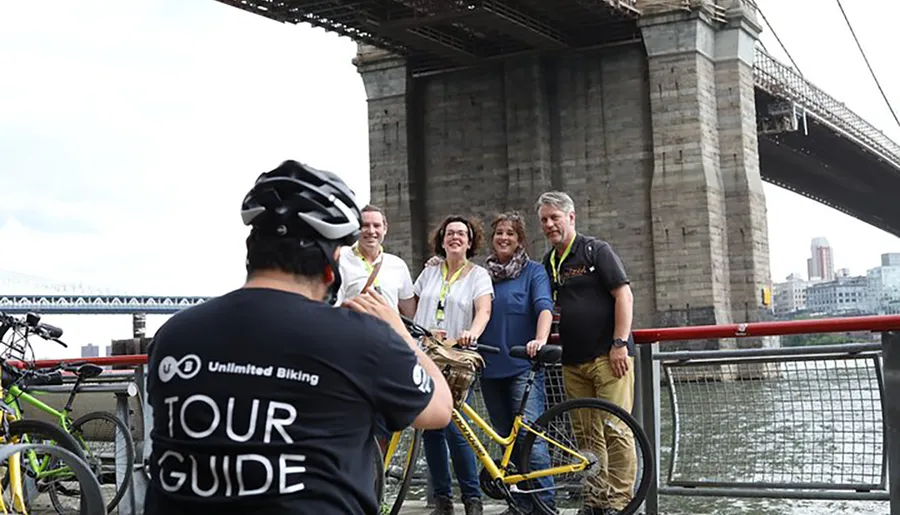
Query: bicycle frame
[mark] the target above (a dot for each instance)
(392, 447)
(508, 443)
(13, 395)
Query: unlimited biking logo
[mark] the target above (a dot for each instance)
(185, 368)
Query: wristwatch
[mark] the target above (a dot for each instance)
(618, 342)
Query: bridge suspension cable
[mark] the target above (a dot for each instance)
(866, 59)
(765, 20)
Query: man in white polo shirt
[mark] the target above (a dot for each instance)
(393, 281)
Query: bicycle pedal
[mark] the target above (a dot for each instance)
(516, 490)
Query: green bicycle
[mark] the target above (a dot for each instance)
(95, 432)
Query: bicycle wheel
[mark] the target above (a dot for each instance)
(616, 437)
(109, 451)
(378, 467)
(38, 432)
(399, 467)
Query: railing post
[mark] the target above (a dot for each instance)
(647, 411)
(128, 505)
(890, 355)
(142, 448)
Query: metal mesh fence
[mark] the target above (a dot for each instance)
(803, 422)
(784, 82)
(798, 422)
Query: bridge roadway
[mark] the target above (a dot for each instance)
(809, 142)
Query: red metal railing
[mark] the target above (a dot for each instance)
(879, 323)
(875, 324)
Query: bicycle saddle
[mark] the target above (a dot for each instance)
(548, 353)
(89, 371)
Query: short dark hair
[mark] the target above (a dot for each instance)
(295, 256)
(518, 225)
(372, 208)
(476, 235)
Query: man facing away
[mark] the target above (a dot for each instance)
(264, 399)
(393, 281)
(358, 262)
(594, 301)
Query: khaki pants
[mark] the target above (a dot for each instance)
(605, 436)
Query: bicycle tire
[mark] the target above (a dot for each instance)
(641, 442)
(129, 446)
(378, 466)
(18, 428)
(408, 471)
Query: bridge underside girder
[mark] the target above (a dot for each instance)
(828, 167)
(439, 34)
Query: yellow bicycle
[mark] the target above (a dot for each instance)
(400, 457)
(611, 470)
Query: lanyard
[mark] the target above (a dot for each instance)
(555, 268)
(365, 261)
(445, 287)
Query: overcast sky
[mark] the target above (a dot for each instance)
(129, 132)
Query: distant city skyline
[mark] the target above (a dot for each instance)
(821, 257)
(839, 293)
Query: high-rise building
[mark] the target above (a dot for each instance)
(90, 351)
(820, 265)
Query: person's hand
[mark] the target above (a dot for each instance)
(372, 303)
(467, 339)
(534, 346)
(618, 360)
(434, 261)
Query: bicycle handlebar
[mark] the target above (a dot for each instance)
(30, 376)
(31, 322)
(414, 329)
(418, 331)
(489, 349)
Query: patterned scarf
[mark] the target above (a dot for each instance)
(509, 270)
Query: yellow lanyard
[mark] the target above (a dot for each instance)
(365, 261)
(445, 287)
(555, 268)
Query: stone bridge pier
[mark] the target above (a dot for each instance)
(655, 141)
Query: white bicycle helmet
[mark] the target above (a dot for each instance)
(298, 201)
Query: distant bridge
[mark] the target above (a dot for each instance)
(96, 304)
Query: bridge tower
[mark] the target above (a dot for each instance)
(656, 142)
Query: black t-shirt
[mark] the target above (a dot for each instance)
(264, 402)
(587, 309)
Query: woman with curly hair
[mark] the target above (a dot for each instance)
(453, 300)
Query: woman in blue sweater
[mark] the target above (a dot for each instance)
(521, 314)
